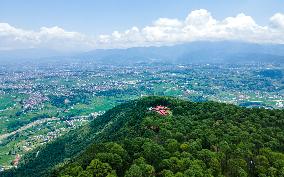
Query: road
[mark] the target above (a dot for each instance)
(6, 135)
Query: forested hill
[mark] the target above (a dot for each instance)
(161, 136)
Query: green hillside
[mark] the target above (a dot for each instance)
(193, 139)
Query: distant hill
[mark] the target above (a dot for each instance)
(191, 139)
(194, 52)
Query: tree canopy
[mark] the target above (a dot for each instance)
(196, 139)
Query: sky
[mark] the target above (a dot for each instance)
(70, 25)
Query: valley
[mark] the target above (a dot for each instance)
(75, 93)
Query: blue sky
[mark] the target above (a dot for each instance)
(96, 17)
(82, 25)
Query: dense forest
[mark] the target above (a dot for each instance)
(193, 139)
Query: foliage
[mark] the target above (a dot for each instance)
(197, 139)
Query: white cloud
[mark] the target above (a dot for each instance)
(168, 22)
(200, 19)
(198, 25)
(51, 38)
(277, 20)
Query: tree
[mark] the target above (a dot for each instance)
(167, 173)
(153, 152)
(113, 160)
(184, 146)
(173, 164)
(172, 145)
(272, 172)
(194, 171)
(281, 172)
(195, 146)
(85, 173)
(140, 165)
(237, 167)
(134, 171)
(99, 169)
(215, 166)
(261, 164)
(116, 149)
(73, 170)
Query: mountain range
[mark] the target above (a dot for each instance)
(194, 52)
